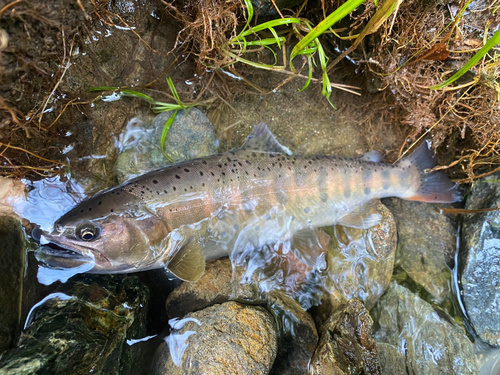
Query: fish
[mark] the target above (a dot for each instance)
(180, 216)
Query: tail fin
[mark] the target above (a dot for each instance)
(434, 186)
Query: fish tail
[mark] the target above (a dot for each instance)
(434, 187)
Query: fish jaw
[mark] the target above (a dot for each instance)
(54, 254)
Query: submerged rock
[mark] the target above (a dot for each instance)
(346, 345)
(479, 268)
(298, 335)
(12, 245)
(428, 343)
(83, 329)
(190, 136)
(426, 245)
(360, 264)
(223, 339)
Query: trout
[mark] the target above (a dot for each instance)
(180, 216)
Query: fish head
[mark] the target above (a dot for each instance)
(114, 240)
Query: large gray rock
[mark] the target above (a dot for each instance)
(346, 345)
(190, 136)
(429, 344)
(13, 250)
(298, 335)
(223, 339)
(426, 245)
(479, 267)
(83, 329)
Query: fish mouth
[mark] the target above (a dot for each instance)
(56, 256)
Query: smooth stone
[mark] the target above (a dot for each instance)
(426, 245)
(346, 345)
(428, 343)
(229, 338)
(83, 328)
(190, 136)
(13, 247)
(391, 360)
(360, 264)
(479, 267)
(298, 335)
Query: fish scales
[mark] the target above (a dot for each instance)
(222, 203)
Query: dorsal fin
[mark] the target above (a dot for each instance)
(261, 139)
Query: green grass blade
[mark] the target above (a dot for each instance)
(268, 25)
(135, 94)
(249, 6)
(341, 12)
(174, 92)
(309, 74)
(164, 133)
(495, 39)
(265, 42)
(103, 88)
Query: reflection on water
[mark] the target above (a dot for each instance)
(178, 343)
(47, 199)
(32, 313)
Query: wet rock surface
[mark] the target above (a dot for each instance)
(391, 360)
(428, 343)
(426, 244)
(190, 136)
(298, 335)
(222, 339)
(12, 245)
(83, 328)
(346, 345)
(479, 269)
(360, 264)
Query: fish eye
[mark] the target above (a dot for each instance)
(87, 232)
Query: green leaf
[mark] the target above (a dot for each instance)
(268, 25)
(135, 94)
(341, 12)
(103, 88)
(174, 92)
(495, 39)
(164, 133)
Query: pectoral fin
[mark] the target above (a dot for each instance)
(362, 217)
(188, 263)
(311, 246)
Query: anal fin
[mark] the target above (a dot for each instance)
(188, 263)
(362, 217)
(311, 246)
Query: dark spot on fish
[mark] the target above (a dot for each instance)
(254, 154)
(90, 208)
(212, 173)
(142, 192)
(271, 155)
(111, 210)
(218, 180)
(157, 193)
(204, 162)
(310, 162)
(100, 202)
(165, 191)
(129, 190)
(174, 188)
(117, 193)
(186, 170)
(155, 181)
(201, 173)
(241, 165)
(246, 161)
(269, 169)
(254, 175)
(203, 184)
(232, 170)
(324, 197)
(246, 172)
(367, 190)
(305, 166)
(307, 210)
(231, 152)
(280, 165)
(177, 177)
(229, 160)
(347, 192)
(220, 165)
(223, 173)
(191, 187)
(178, 167)
(185, 189)
(225, 164)
(258, 168)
